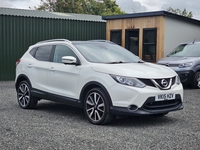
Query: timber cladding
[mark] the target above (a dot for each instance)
(157, 22)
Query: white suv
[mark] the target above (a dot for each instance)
(99, 76)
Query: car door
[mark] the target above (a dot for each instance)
(38, 67)
(63, 79)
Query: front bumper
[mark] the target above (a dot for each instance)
(151, 107)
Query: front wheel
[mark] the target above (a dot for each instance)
(96, 107)
(196, 82)
(24, 97)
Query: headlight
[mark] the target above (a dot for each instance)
(178, 81)
(128, 81)
(189, 64)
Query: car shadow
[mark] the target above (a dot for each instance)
(139, 121)
(77, 114)
(60, 109)
(187, 87)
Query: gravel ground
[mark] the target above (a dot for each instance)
(53, 126)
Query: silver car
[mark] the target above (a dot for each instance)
(185, 60)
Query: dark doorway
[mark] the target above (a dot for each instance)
(149, 44)
(132, 41)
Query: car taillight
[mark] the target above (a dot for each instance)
(17, 62)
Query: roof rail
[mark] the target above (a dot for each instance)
(102, 41)
(54, 40)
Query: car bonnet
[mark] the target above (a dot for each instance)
(139, 70)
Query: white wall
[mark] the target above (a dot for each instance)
(177, 31)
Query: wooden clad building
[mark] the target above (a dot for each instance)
(151, 35)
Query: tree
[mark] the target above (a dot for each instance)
(179, 12)
(93, 7)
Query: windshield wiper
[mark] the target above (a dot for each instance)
(120, 62)
(140, 61)
(115, 62)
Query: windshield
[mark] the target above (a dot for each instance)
(106, 53)
(186, 50)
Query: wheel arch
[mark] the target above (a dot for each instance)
(91, 85)
(21, 78)
(196, 68)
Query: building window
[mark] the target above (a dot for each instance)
(116, 36)
(132, 40)
(149, 44)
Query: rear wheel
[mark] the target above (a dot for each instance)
(96, 107)
(196, 82)
(24, 97)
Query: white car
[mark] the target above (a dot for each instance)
(101, 77)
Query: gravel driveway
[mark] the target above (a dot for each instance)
(53, 126)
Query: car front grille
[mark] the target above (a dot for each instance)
(169, 65)
(152, 105)
(157, 82)
(147, 82)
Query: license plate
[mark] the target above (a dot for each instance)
(168, 96)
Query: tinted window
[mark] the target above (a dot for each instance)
(61, 51)
(43, 53)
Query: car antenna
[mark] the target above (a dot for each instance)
(194, 41)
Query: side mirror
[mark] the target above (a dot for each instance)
(69, 60)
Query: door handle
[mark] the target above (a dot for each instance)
(29, 65)
(52, 69)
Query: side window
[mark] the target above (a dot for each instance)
(32, 52)
(61, 51)
(43, 53)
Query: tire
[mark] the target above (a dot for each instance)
(196, 81)
(97, 108)
(24, 97)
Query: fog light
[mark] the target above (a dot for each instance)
(132, 108)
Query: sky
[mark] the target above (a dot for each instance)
(129, 6)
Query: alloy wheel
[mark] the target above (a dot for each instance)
(23, 95)
(95, 106)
